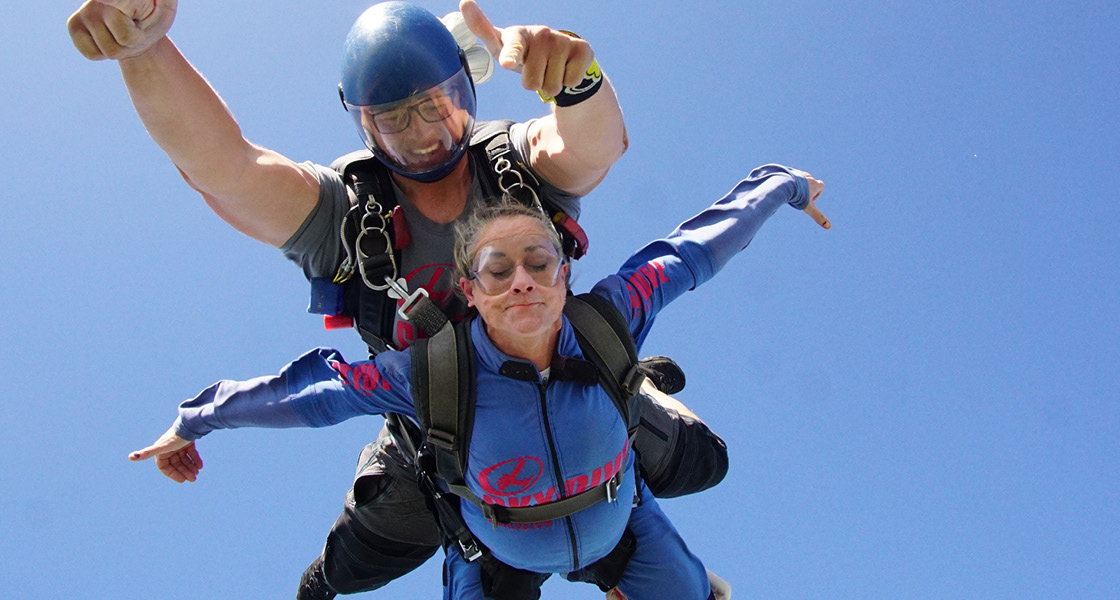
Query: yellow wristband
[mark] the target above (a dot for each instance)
(592, 81)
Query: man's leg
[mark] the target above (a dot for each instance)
(462, 580)
(385, 529)
(670, 437)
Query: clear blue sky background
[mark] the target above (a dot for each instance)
(922, 402)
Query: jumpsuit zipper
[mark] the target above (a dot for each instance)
(560, 487)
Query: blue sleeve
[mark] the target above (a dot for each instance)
(316, 390)
(696, 250)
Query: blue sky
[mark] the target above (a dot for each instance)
(922, 402)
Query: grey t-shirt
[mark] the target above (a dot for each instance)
(426, 262)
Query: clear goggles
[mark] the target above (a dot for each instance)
(421, 132)
(496, 265)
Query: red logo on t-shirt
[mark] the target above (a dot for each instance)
(434, 278)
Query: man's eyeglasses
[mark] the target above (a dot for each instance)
(432, 109)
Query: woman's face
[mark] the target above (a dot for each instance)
(518, 280)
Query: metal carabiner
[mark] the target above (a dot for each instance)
(378, 226)
(504, 168)
(362, 256)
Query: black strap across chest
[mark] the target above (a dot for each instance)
(443, 376)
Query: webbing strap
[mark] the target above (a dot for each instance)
(557, 509)
(373, 341)
(443, 390)
(425, 315)
(607, 348)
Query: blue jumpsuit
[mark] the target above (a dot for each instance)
(534, 441)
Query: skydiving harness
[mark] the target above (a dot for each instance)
(443, 389)
(365, 290)
(443, 372)
(364, 293)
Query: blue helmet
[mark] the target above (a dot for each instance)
(406, 84)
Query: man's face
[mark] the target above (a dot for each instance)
(519, 282)
(419, 133)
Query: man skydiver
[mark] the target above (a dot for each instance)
(299, 206)
(533, 405)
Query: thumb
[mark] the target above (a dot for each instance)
(481, 26)
(168, 442)
(159, 20)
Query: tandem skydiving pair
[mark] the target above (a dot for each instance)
(407, 84)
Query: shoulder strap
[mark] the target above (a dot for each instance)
(443, 376)
(491, 146)
(605, 339)
(367, 236)
(366, 176)
(484, 131)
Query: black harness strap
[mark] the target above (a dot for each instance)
(444, 398)
(606, 341)
(557, 509)
(443, 382)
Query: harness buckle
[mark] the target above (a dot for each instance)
(442, 439)
(374, 225)
(469, 550)
(398, 291)
(426, 483)
(490, 514)
(612, 487)
(511, 182)
(632, 383)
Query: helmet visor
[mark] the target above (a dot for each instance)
(423, 132)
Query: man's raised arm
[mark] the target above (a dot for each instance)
(575, 145)
(260, 192)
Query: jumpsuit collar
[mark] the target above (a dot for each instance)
(490, 358)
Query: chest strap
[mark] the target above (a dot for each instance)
(557, 509)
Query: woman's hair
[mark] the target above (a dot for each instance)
(466, 232)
